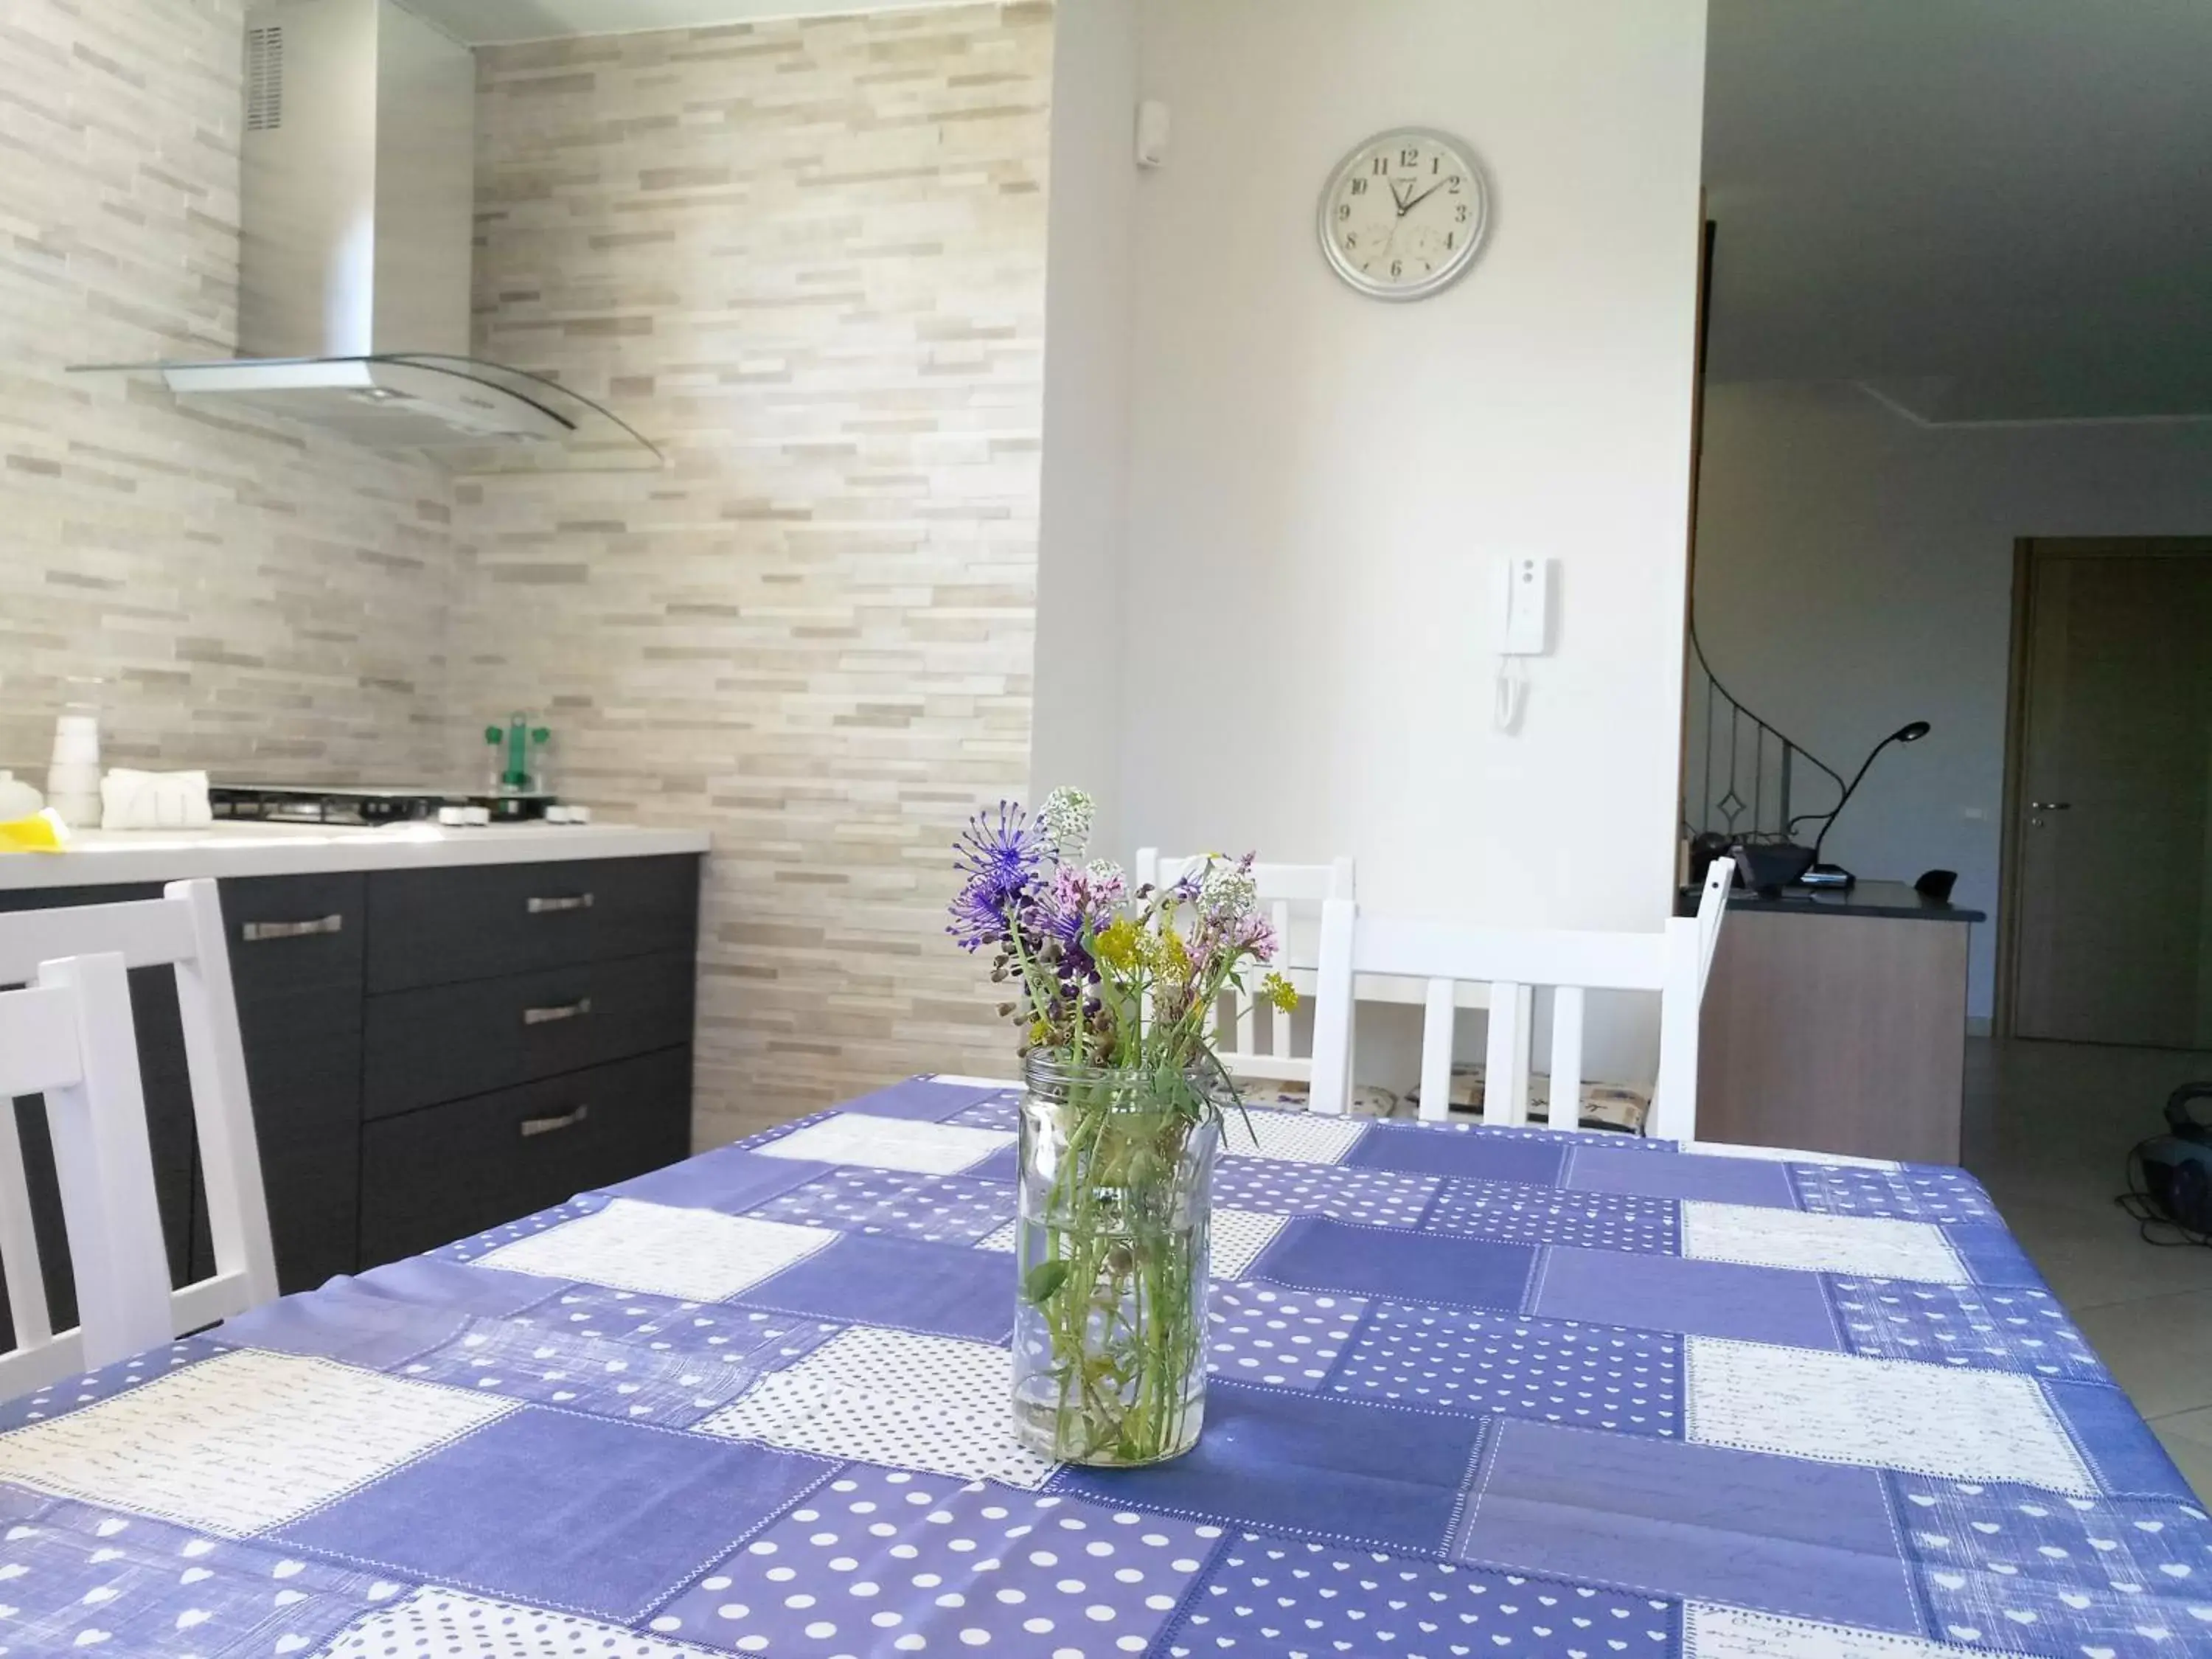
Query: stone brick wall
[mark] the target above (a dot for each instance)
(256, 597)
(807, 260)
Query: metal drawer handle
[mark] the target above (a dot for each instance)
(546, 1126)
(254, 932)
(564, 1011)
(540, 907)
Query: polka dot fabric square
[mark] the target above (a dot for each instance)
(610, 1378)
(2015, 1329)
(78, 1577)
(2016, 1568)
(1003, 1112)
(435, 1623)
(871, 1559)
(1549, 1215)
(1378, 1198)
(934, 1209)
(933, 1403)
(663, 1324)
(1589, 1377)
(1287, 1600)
(1914, 1192)
(1284, 1339)
(1300, 1137)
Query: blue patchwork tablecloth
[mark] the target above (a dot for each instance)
(1477, 1392)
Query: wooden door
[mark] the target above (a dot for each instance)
(2113, 800)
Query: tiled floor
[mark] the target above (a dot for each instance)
(2048, 1128)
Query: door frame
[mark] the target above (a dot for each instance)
(2029, 555)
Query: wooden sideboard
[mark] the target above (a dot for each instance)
(1835, 1021)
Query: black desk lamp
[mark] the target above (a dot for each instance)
(1829, 875)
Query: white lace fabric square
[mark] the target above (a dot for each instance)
(1874, 1245)
(1786, 1155)
(890, 1143)
(1889, 1413)
(697, 1255)
(434, 1621)
(1301, 1137)
(1713, 1632)
(242, 1442)
(936, 1403)
(1237, 1236)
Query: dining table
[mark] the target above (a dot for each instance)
(1474, 1391)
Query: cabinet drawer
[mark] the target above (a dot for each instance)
(441, 927)
(293, 933)
(432, 1176)
(441, 1042)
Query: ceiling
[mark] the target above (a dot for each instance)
(1984, 209)
(482, 22)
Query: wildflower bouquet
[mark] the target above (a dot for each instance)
(1116, 993)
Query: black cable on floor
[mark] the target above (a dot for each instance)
(2143, 1210)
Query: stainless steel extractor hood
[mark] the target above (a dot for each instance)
(357, 200)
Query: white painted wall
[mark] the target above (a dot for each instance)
(1855, 572)
(1090, 282)
(1316, 481)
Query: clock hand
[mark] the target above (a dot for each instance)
(1418, 200)
(1396, 200)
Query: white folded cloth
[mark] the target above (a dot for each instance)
(154, 800)
(17, 798)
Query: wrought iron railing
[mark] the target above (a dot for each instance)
(1742, 777)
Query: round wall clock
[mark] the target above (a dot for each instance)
(1403, 215)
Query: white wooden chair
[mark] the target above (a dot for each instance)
(1673, 963)
(68, 1035)
(1287, 891)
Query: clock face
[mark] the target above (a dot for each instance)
(1404, 214)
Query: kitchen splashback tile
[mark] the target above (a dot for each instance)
(807, 260)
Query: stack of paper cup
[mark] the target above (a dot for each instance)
(73, 774)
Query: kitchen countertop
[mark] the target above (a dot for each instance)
(101, 857)
(1895, 899)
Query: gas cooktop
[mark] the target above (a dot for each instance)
(295, 803)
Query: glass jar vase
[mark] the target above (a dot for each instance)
(1110, 1326)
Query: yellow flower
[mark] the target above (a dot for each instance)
(1118, 946)
(1277, 991)
(1166, 955)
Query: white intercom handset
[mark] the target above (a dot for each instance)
(1521, 623)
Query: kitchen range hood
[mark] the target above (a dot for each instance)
(356, 210)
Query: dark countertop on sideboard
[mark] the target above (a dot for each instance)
(1895, 899)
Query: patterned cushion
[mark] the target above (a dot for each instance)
(1605, 1105)
(1367, 1100)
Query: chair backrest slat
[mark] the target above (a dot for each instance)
(1674, 961)
(19, 1245)
(68, 1037)
(1281, 887)
(1567, 1044)
(144, 932)
(1432, 950)
(39, 1047)
(1506, 1057)
(104, 1165)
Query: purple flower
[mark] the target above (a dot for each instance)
(1076, 902)
(998, 858)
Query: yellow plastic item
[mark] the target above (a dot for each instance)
(42, 832)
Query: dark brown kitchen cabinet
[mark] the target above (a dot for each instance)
(418, 1046)
(433, 1177)
(296, 964)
